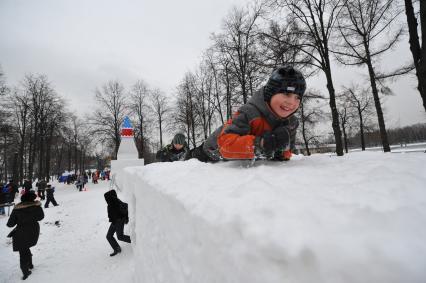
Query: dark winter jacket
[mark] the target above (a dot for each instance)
(25, 216)
(27, 185)
(41, 186)
(237, 139)
(114, 211)
(4, 196)
(169, 153)
(50, 191)
(13, 189)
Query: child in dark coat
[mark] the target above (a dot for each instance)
(25, 216)
(118, 216)
(50, 198)
(175, 151)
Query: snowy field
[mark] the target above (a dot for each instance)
(357, 218)
(74, 251)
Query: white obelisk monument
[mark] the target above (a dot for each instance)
(127, 154)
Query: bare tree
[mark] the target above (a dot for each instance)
(346, 118)
(42, 99)
(3, 87)
(57, 116)
(139, 107)
(204, 99)
(362, 102)
(238, 43)
(185, 115)
(310, 114)
(278, 45)
(316, 20)
(227, 82)
(361, 24)
(212, 67)
(19, 103)
(160, 107)
(108, 118)
(418, 50)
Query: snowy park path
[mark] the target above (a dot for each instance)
(74, 251)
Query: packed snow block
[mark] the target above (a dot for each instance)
(117, 167)
(358, 218)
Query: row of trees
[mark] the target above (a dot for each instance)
(39, 136)
(313, 35)
(147, 107)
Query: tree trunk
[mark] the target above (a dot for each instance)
(75, 158)
(161, 133)
(5, 157)
(418, 53)
(219, 107)
(228, 96)
(141, 144)
(334, 113)
(21, 161)
(361, 128)
(31, 154)
(41, 142)
(345, 137)
(305, 140)
(383, 133)
(15, 172)
(59, 160)
(69, 157)
(48, 151)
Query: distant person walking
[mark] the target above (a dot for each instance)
(25, 216)
(118, 216)
(50, 198)
(41, 188)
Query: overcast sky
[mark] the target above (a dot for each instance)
(81, 44)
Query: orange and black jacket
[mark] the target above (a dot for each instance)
(240, 136)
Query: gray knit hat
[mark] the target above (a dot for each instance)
(179, 138)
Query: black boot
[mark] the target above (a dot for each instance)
(26, 274)
(116, 251)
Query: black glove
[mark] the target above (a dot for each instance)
(277, 139)
(178, 156)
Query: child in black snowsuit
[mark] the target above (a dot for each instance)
(49, 196)
(118, 216)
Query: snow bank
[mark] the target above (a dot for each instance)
(357, 218)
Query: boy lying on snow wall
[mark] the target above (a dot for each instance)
(264, 127)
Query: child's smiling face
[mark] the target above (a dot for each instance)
(285, 104)
(178, 146)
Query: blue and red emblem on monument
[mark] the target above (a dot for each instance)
(126, 128)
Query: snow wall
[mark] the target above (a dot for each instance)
(321, 219)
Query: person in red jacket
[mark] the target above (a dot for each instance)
(263, 127)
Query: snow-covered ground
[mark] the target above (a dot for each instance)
(357, 218)
(74, 251)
